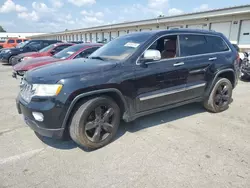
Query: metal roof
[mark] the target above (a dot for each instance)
(187, 16)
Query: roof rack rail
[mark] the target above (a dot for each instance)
(174, 28)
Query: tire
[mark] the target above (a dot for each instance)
(10, 59)
(89, 109)
(212, 104)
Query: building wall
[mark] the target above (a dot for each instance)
(230, 25)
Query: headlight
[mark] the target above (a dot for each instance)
(5, 51)
(46, 90)
(26, 58)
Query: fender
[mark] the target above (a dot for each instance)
(210, 87)
(77, 98)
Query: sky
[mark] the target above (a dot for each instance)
(58, 15)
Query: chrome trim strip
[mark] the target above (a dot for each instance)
(172, 92)
(176, 58)
(161, 94)
(195, 86)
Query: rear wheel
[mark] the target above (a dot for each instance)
(95, 122)
(220, 97)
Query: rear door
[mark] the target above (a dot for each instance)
(198, 57)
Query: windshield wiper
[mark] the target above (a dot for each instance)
(97, 57)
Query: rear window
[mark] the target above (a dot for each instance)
(193, 45)
(217, 44)
(19, 40)
(11, 41)
(201, 44)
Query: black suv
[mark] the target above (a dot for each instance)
(27, 46)
(131, 76)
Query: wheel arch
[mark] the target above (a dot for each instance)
(113, 93)
(226, 73)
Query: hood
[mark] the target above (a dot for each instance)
(61, 70)
(31, 63)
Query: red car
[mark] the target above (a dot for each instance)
(47, 51)
(72, 52)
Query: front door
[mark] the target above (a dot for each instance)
(161, 82)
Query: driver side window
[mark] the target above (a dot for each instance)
(86, 53)
(167, 46)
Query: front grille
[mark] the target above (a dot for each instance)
(26, 91)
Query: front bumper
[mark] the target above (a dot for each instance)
(4, 57)
(50, 127)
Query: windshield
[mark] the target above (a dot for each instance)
(67, 52)
(48, 48)
(22, 44)
(122, 47)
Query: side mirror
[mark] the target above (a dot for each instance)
(150, 55)
(53, 52)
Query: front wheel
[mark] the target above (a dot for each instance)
(94, 124)
(10, 60)
(220, 96)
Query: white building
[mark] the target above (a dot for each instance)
(4, 36)
(233, 22)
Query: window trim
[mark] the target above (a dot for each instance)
(177, 58)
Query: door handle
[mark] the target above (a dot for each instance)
(179, 64)
(212, 58)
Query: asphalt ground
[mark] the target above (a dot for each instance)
(178, 148)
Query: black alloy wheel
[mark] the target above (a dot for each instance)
(222, 95)
(100, 124)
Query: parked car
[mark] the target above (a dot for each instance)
(1, 43)
(245, 67)
(131, 76)
(47, 51)
(12, 42)
(73, 52)
(28, 46)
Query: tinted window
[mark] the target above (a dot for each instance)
(167, 46)
(60, 48)
(193, 45)
(19, 40)
(46, 44)
(86, 52)
(64, 54)
(11, 41)
(35, 45)
(216, 44)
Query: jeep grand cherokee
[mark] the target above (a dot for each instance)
(131, 76)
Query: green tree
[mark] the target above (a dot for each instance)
(2, 29)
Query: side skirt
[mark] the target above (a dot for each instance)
(155, 110)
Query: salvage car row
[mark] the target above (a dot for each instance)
(84, 90)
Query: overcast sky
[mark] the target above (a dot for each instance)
(58, 15)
